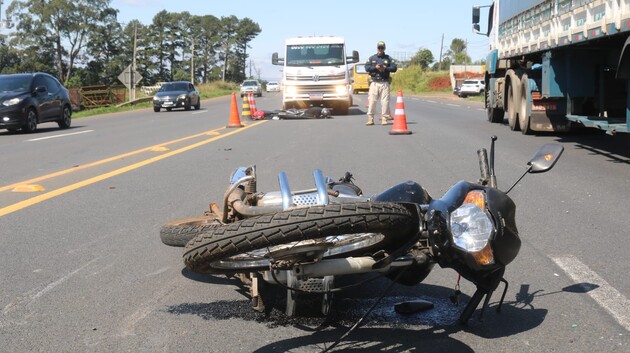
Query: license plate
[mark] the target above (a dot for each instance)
(315, 97)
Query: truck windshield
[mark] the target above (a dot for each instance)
(315, 55)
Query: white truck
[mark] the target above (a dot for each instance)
(315, 73)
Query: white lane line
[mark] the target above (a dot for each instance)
(453, 105)
(63, 135)
(605, 295)
(200, 112)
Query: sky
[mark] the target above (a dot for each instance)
(405, 26)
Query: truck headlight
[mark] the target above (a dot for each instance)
(472, 228)
(341, 89)
(291, 90)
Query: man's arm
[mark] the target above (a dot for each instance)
(392, 65)
(369, 67)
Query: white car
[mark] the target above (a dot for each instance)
(472, 87)
(273, 86)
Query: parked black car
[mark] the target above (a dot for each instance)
(33, 98)
(176, 94)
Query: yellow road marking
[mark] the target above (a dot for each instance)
(107, 160)
(43, 197)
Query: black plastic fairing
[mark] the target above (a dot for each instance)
(408, 191)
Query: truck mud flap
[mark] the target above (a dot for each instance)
(543, 121)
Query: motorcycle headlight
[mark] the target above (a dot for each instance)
(472, 228)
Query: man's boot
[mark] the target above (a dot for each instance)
(370, 121)
(383, 120)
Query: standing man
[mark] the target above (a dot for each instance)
(379, 66)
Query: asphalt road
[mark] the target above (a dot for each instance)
(82, 268)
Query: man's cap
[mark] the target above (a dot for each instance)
(380, 44)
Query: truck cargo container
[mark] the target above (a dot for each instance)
(554, 64)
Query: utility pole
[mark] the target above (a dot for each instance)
(132, 90)
(466, 59)
(192, 63)
(441, 47)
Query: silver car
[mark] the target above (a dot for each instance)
(251, 86)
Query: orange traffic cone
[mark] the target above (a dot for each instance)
(235, 121)
(400, 119)
(246, 112)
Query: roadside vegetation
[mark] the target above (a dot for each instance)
(206, 90)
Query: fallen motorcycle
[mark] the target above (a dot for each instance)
(302, 240)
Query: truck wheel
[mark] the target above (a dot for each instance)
(523, 117)
(513, 104)
(341, 109)
(495, 115)
(513, 100)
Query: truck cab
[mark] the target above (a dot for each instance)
(315, 73)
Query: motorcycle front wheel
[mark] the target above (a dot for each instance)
(335, 230)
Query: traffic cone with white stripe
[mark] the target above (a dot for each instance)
(235, 121)
(252, 104)
(400, 119)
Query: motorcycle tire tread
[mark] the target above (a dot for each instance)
(181, 231)
(218, 243)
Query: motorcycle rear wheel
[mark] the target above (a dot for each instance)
(349, 229)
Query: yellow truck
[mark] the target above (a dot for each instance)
(360, 79)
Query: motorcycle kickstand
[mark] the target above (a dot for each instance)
(472, 305)
(476, 299)
(257, 302)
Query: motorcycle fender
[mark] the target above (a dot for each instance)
(408, 191)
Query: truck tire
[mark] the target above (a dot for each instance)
(523, 116)
(495, 115)
(341, 109)
(513, 100)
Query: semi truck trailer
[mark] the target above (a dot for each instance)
(556, 64)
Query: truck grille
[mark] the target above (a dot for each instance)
(316, 77)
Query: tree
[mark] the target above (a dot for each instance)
(247, 30)
(105, 48)
(66, 25)
(457, 52)
(207, 44)
(9, 57)
(422, 58)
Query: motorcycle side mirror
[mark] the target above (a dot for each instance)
(545, 158)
